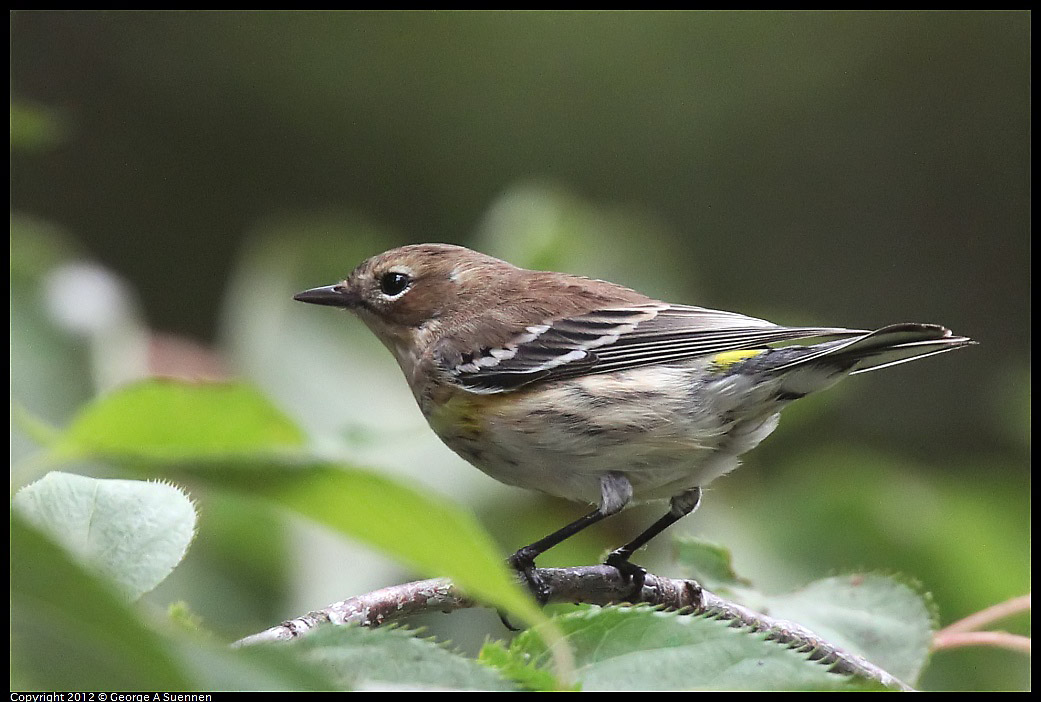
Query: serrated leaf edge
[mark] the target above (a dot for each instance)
(805, 650)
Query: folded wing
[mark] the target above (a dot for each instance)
(619, 338)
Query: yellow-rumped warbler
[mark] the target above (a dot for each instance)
(591, 391)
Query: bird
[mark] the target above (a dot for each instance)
(591, 391)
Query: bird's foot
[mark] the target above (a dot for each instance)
(630, 572)
(524, 563)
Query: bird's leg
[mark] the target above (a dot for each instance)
(523, 561)
(681, 505)
(615, 494)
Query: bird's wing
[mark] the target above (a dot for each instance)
(614, 339)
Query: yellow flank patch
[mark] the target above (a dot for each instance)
(723, 361)
(461, 414)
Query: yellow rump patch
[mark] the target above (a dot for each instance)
(723, 361)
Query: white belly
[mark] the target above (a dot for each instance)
(655, 425)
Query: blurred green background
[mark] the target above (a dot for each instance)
(176, 176)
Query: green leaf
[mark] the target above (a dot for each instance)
(70, 631)
(639, 648)
(35, 127)
(392, 658)
(710, 564)
(216, 666)
(876, 616)
(231, 436)
(428, 534)
(131, 531)
(174, 420)
(879, 617)
(515, 665)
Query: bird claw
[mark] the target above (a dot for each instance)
(525, 565)
(630, 572)
(506, 620)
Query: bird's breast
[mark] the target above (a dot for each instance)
(650, 424)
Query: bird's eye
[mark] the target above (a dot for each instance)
(394, 283)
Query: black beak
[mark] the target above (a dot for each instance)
(332, 295)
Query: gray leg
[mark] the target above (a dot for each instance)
(681, 505)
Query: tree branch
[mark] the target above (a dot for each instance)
(986, 617)
(998, 639)
(599, 585)
(966, 632)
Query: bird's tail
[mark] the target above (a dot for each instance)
(888, 346)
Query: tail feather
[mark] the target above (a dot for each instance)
(888, 346)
